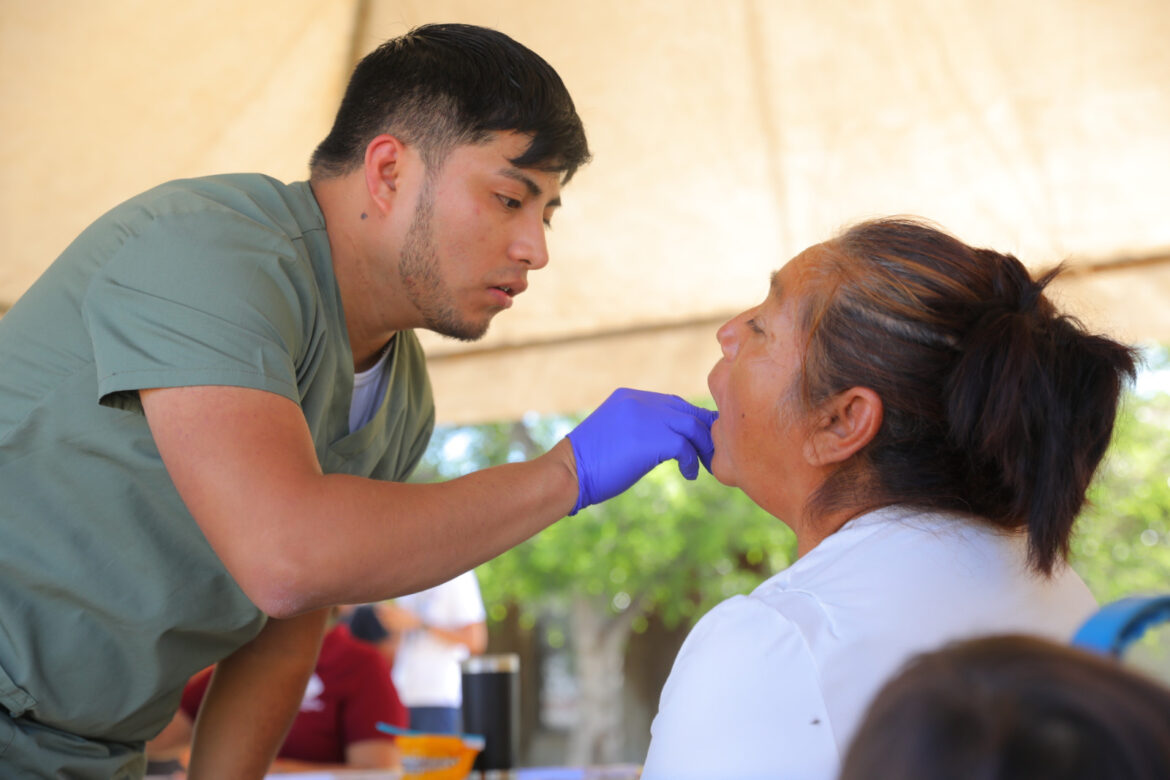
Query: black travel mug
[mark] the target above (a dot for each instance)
(491, 708)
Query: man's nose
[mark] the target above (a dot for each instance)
(531, 245)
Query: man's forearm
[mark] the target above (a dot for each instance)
(252, 700)
(474, 636)
(353, 540)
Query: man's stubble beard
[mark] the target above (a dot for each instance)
(418, 271)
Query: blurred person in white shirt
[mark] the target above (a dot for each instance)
(439, 628)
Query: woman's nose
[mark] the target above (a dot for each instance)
(727, 337)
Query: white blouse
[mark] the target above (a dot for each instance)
(773, 684)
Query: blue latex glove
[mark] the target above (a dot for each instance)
(630, 434)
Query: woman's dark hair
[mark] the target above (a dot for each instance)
(994, 403)
(1014, 708)
(442, 85)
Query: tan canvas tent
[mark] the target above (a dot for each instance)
(727, 137)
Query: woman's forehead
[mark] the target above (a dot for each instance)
(775, 286)
(797, 272)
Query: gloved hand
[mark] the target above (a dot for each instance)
(630, 434)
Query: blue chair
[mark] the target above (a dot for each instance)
(1116, 626)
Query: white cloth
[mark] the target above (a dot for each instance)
(426, 669)
(369, 387)
(773, 684)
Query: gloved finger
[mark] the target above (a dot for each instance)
(695, 431)
(705, 446)
(688, 461)
(705, 456)
(705, 416)
(678, 403)
(694, 440)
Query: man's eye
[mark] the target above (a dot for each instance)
(754, 327)
(509, 203)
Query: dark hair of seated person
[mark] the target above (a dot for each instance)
(1014, 708)
(994, 402)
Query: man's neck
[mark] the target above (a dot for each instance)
(367, 327)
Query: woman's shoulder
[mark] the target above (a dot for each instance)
(744, 699)
(745, 616)
(749, 635)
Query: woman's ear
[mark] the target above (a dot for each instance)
(843, 425)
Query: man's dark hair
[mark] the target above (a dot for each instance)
(443, 85)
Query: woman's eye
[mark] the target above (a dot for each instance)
(754, 327)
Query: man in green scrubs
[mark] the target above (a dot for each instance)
(210, 400)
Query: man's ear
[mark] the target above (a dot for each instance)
(843, 425)
(385, 156)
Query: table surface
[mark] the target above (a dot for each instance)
(612, 772)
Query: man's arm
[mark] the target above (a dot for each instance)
(253, 697)
(473, 636)
(296, 539)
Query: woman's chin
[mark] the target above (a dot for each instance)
(721, 472)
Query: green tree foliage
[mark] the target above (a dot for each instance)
(1122, 542)
(665, 546)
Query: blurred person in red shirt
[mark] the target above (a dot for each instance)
(349, 693)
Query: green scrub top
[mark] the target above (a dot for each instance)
(110, 597)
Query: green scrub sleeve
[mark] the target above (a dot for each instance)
(205, 298)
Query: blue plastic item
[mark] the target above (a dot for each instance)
(1121, 623)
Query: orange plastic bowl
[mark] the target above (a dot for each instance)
(438, 756)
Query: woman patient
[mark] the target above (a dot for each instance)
(927, 423)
